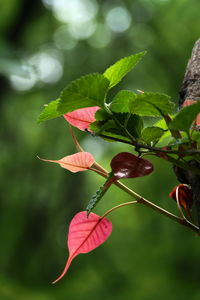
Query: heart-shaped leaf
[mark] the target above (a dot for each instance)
(77, 162)
(82, 118)
(85, 234)
(127, 165)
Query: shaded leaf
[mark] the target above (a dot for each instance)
(134, 125)
(77, 162)
(50, 111)
(82, 118)
(117, 71)
(185, 117)
(152, 134)
(85, 234)
(146, 104)
(127, 165)
(89, 90)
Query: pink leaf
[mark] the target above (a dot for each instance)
(80, 161)
(82, 118)
(85, 234)
(127, 165)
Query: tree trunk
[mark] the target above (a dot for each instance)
(190, 90)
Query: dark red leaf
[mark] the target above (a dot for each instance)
(127, 165)
(185, 196)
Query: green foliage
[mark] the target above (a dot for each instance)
(50, 111)
(89, 90)
(184, 118)
(145, 104)
(116, 72)
(152, 134)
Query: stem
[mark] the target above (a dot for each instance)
(155, 149)
(103, 172)
(141, 200)
(116, 207)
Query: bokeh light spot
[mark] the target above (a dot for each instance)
(118, 19)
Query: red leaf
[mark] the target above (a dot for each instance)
(127, 165)
(80, 161)
(82, 118)
(185, 196)
(85, 234)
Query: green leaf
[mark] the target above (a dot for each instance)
(152, 134)
(146, 104)
(108, 131)
(87, 91)
(49, 112)
(196, 137)
(99, 193)
(95, 199)
(101, 115)
(134, 125)
(184, 118)
(116, 72)
(122, 102)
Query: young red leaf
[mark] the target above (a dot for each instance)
(82, 118)
(77, 162)
(85, 234)
(185, 196)
(127, 165)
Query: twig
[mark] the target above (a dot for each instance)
(139, 199)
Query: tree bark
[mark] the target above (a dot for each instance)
(190, 90)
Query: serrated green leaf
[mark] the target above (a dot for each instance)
(95, 199)
(152, 134)
(108, 131)
(49, 112)
(123, 101)
(134, 125)
(117, 71)
(89, 90)
(146, 104)
(184, 118)
(101, 115)
(99, 193)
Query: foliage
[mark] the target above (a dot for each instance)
(86, 98)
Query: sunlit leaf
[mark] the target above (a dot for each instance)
(77, 162)
(184, 118)
(50, 111)
(89, 90)
(85, 234)
(117, 71)
(82, 118)
(146, 104)
(127, 165)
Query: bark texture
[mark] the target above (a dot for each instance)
(190, 90)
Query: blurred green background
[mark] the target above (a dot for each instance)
(43, 46)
